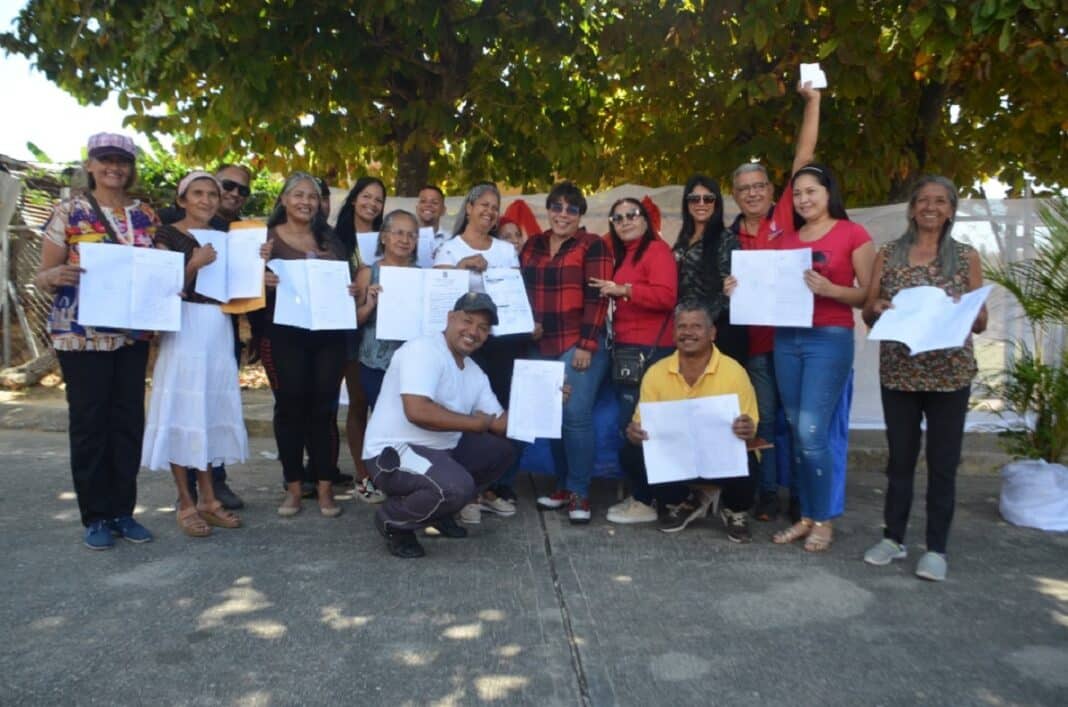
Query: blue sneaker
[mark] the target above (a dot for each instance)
(129, 529)
(98, 536)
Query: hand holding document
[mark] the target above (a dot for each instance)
(926, 318)
(368, 245)
(536, 402)
(814, 74)
(238, 268)
(691, 439)
(771, 288)
(506, 288)
(130, 288)
(425, 250)
(313, 294)
(415, 301)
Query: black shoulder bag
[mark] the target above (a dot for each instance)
(629, 361)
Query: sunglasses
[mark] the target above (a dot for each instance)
(560, 207)
(700, 198)
(231, 185)
(629, 216)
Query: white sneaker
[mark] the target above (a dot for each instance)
(498, 505)
(471, 514)
(631, 511)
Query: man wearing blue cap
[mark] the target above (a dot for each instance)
(436, 436)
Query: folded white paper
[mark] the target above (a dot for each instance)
(130, 288)
(926, 318)
(813, 73)
(506, 288)
(368, 245)
(416, 301)
(313, 294)
(692, 439)
(238, 268)
(536, 401)
(771, 288)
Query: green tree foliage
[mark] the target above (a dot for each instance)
(602, 91)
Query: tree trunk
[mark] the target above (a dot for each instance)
(928, 119)
(413, 170)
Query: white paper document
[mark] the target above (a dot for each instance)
(238, 268)
(425, 249)
(313, 294)
(415, 301)
(771, 288)
(536, 401)
(130, 288)
(692, 439)
(506, 288)
(813, 73)
(368, 245)
(926, 318)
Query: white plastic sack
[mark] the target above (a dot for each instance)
(1034, 494)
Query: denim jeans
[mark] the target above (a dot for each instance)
(573, 455)
(627, 395)
(761, 369)
(812, 366)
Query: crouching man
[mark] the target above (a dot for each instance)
(436, 437)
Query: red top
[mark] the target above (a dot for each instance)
(762, 338)
(654, 288)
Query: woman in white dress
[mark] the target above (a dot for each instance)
(194, 414)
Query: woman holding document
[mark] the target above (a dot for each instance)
(933, 385)
(195, 419)
(303, 365)
(104, 369)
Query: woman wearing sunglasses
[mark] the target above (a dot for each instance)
(643, 290)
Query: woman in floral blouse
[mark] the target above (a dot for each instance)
(933, 385)
(104, 369)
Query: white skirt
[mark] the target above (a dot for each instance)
(194, 415)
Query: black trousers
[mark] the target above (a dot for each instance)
(304, 368)
(106, 405)
(736, 493)
(944, 413)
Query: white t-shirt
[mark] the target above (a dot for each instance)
(501, 254)
(425, 366)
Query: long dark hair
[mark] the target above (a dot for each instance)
(346, 226)
(319, 227)
(713, 233)
(618, 249)
(824, 175)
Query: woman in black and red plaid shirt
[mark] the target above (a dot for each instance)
(569, 316)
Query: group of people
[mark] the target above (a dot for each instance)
(427, 418)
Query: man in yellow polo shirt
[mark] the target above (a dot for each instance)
(697, 370)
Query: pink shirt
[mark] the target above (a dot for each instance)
(832, 257)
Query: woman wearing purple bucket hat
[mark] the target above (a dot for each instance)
(104, 369)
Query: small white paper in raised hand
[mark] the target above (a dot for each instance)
(506, 288)
(155, 301)
(244, 266)
(399, 314)
(441, 289)
(771, 288)
(368, 245)
(927, 319)
(104, 287)
(814, 74)
(536, 401)
(291, 305)
(330, 304)
(212, 279)
(425, 249)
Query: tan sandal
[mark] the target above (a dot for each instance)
(218, 516)
(820, 539)
(190, 523)
(798, 530)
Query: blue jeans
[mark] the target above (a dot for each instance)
(761, 369)
(812, 366)
(573, 455)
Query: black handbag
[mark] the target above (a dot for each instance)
(629, 361)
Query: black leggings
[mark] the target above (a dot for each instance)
(304, 368)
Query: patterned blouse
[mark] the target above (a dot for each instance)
(944, 370)
(694, 280)
(72, 222)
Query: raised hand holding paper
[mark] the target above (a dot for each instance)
(130, 288)
(771, 288)
(926, 318)
(812, 73)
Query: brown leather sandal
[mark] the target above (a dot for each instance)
(820, 539)
(798, 530)
(218, 516)
(190, 523)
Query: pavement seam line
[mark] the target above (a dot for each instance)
(565, 612)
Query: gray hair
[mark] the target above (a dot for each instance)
(691, 304)
(947, 251)
(472, 196)
(746, 168)
(387, 225)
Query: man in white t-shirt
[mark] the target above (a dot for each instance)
(436, 437)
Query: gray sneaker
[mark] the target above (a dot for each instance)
(932, 566)
(884, 552)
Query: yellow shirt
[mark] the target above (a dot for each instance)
(664, 383)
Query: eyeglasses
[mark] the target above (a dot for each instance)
(231, 185)
(630, 216)
(402, 234)
(700, 198)
(754, 187)
(560, 207)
